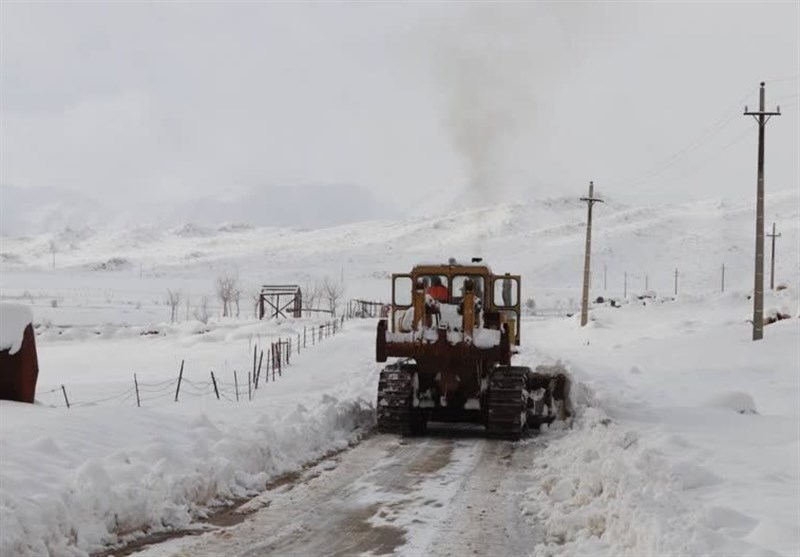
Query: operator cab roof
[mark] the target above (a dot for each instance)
(452, 266)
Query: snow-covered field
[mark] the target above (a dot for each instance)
(688, 433)
(685, 441)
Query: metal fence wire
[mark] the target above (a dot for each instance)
(243, 387)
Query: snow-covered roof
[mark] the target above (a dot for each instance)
(13, 320)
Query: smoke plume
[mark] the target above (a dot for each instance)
(494, 65)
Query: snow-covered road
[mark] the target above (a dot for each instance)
(453, 493)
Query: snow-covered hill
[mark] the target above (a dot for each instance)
(543, 240)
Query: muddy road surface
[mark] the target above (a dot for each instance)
(451, 493)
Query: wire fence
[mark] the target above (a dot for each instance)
(269, 364)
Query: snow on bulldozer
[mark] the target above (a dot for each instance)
(454, 329)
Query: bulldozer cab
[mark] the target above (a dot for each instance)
(497, 297)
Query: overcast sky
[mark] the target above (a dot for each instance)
(126, 101)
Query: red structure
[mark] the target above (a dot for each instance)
(19, 371)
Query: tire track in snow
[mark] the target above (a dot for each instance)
(454, 493)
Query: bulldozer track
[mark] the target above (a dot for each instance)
(395, 391)
(508, 396)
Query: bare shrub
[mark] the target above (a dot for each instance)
(228, 292)
(312, 295)
(237, 295)
(255, 300)
(530, 305)
(333, 292)
(201, 311)
(173, 301)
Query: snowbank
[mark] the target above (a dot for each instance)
(78, 480)
(600, 491)
(115, 472)
(686, 436)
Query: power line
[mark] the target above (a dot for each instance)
(738, 139)
(786, 78)
(728, 116)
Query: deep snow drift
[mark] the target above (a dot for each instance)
(77, 479)
(687, 434)
(14, 318)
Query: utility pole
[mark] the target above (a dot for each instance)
(723, 277)
(676, 281)
(762, 117)
(772, 260)
(646, 282)
(53, 252)
(590, 201)
(605, 277)
(625, 287)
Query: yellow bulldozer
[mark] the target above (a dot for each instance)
(454, 329)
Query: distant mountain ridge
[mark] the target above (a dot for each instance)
(308, 206)
(28, 211)
(31, 211)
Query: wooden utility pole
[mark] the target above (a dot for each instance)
(605, 277)
(762, 117)
(772, 259)
(590, 201)
(723, 277)
(625, 287)
(646, 282)
(676, 281)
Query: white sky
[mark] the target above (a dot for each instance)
(122, 101)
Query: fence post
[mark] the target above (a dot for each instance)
(236, 385)
(676, 281)
(249, 387)
(180, 377)
(255, 375)
(214, 381)
(63, 390)
(304, 336)
(298, 343)
(136, 385)
(723, 277)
